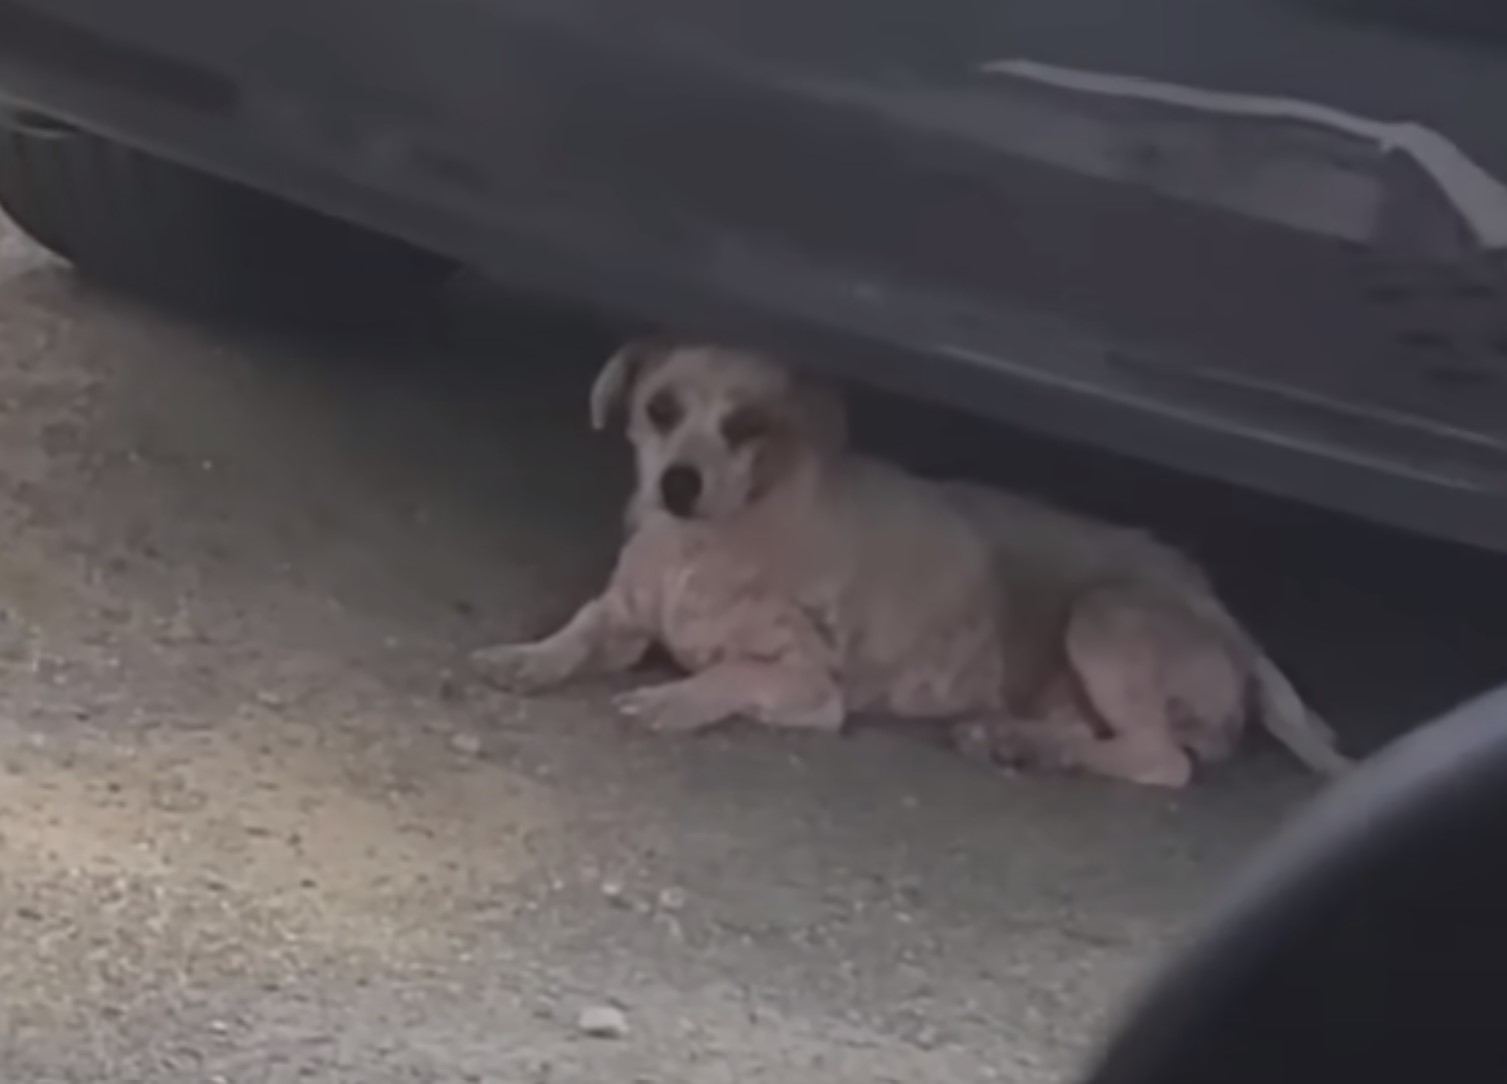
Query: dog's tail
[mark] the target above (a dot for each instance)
(1293, 723)
(1282, 711)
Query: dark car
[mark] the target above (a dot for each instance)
(1257, 239)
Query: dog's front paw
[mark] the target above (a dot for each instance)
(519, 668)
(665, 710)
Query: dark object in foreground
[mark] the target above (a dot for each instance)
(1369, 945)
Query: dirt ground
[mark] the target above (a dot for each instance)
(257, 825)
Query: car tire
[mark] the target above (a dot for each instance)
(138, 222)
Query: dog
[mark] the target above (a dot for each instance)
(799, 585)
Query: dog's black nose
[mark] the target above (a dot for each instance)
(680, 489)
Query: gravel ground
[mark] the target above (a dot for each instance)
(256, 826)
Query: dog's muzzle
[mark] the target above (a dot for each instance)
(679, 490)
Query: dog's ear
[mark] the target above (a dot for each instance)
(615, 382)
(814, 427)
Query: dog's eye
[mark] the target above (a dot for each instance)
(663, 412)
(743, 426)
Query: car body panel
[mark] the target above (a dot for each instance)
(1251, 239)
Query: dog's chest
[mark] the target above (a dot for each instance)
(715, 604)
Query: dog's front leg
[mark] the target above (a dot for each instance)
(604, 637)
(768, 693)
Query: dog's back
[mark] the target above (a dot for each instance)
(951, 597)
(1069, 550)
(910, 585)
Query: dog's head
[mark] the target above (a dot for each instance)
(715, 430)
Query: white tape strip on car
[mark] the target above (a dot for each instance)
(1478, 197)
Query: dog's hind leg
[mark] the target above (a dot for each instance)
(1034, 745)
(603, 638)
(1053, 745)
(1163, 682)
(1137, 756)
(770, 693)
(1057, 745)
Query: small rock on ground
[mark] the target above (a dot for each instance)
(603, 1022)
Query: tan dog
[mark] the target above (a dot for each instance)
(798, 584)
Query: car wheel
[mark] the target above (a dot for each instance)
(151, 226)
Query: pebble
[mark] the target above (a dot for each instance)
(671, 899)
(603, 1022)
(466, 744)
(926, 1037)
